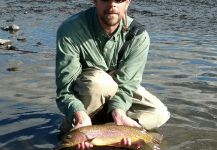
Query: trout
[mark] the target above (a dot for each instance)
(109, 135)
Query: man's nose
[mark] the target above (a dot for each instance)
(112, 3)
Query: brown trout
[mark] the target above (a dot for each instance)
(108, 135)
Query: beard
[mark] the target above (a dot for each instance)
(111, 19)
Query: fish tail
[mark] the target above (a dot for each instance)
(155, 141)
(154, 145)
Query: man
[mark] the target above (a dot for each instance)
(91, 79)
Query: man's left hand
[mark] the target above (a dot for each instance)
(120, 118)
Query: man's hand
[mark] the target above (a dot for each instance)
(120, 118)
(82, 119)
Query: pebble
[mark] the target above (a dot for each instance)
(4, 42)
(38, 44)
(11, 28)
(12, 69)
(11, 47)
(22, 39)
(183, 17)
(14, 27)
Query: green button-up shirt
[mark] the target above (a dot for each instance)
(82, 43)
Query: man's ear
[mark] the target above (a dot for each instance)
(128, 1)
(127, 4)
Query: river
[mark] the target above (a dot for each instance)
(181, 70)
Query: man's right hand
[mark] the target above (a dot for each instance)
(82, 119)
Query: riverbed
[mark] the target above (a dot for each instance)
(181, 70)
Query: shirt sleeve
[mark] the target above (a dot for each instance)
(130, 72)
(68, 67)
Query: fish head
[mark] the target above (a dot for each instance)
(73, 138)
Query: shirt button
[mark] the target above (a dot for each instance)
(105, 49)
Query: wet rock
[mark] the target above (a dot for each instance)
(12, 69)
(4, 42)
(21, 38)
(6, 28)
(183, 17)
(11, 47)
(12, 28)
(39, 44)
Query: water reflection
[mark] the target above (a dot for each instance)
(29, 129)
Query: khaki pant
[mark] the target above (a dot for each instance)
(94, 87)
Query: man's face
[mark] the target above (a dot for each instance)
(110, 12)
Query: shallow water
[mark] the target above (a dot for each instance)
(181, 70)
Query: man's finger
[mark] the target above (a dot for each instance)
(128, 141)
(88, 145)
(124, 142)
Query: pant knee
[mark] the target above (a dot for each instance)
(96, 82)
(152, 119)
(103, 83)
(163, 117)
